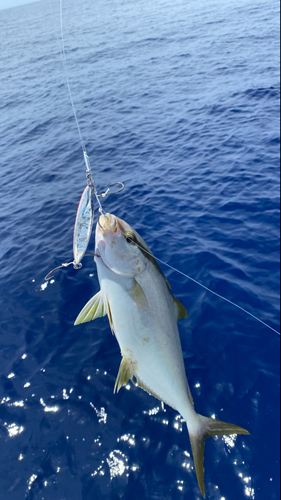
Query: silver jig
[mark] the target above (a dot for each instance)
(84, 221)
(83, 226)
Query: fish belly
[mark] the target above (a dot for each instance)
(149, 342)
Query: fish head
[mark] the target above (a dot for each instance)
(120, 247)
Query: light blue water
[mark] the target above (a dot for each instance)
(180, 101)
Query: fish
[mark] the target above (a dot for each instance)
(143, 315)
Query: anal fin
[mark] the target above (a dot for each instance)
(127, 372)
(147, 389)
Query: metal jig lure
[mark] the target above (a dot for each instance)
(84, 220)
(84, 223)
(83, 226)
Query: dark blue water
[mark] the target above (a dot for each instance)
(180, 101)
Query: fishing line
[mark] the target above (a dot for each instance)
(90, 179)
(220, 296)
(89, 176)
(68, 86)
(61, 46)
(203, 286)
(85, 212)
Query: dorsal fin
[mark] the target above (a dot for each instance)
(95, 308)
(180, 309)
(168, 284)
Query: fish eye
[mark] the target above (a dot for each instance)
(129, 238)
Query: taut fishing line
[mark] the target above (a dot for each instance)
(85, 212)
(203, 286)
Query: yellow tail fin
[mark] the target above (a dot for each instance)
(209, 427)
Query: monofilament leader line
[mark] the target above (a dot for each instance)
(206, 288)
(220, 296)
(89, 176)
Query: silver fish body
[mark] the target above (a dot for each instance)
(143, 315)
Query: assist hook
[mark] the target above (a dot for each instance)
(108, 192)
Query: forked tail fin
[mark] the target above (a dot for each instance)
(209, 427)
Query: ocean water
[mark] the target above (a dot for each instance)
(180, 101)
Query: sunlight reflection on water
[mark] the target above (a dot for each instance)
(13, 429)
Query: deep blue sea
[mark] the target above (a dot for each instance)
(180, 101)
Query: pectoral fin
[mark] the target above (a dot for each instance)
(95, 308)
(180, 309)
(137, 294)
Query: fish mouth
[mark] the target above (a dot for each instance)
(107, 223)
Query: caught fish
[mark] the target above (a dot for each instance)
(143, 315)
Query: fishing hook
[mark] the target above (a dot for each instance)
(107, 193)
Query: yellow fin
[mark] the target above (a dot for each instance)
(124, 374)
(137, 294)
(168, 284)
(109, 314)
(208, 427)
(180, 309)
(93, 309)
(190, 395)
